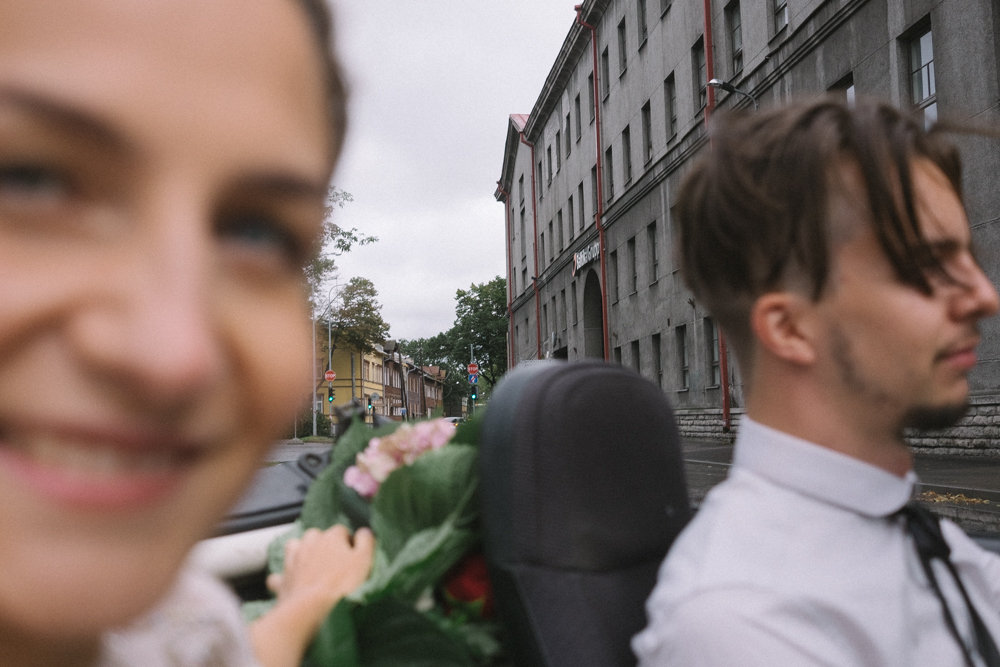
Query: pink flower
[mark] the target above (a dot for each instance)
(360, 481)
(402, 447)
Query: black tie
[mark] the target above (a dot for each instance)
(925, 528)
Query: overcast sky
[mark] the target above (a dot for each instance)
(432, 86)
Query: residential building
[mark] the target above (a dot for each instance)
(643, 80)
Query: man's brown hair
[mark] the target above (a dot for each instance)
(753, 212)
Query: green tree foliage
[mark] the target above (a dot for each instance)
(480, 321)
(355, 318)
(337, 240)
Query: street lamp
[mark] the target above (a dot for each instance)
(315, 382)
(730, 88)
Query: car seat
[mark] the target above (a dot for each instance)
(582, 490)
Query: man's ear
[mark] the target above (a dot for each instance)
(777, 321)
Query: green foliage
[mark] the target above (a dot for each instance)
(480, 321)
(335, 241)
(425, 517)
(355, 320)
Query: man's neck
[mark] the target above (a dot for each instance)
(874, 443)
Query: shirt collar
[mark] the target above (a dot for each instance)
(820, 472)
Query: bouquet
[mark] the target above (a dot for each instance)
(426, 600)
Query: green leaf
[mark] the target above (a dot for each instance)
(336, 643)
(323, 506)
(424, 495)
(392, 634)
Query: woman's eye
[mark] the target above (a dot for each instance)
(264, 234)
(26, 183)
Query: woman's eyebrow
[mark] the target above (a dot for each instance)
(64, 117)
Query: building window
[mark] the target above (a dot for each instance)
(609, 174)
(670, 105)
(613, 278)
(545, 325)
(576, 111)
(605, 74)
(654, 252)
(548, 162)
(698, 72)
(647, 133)
(657, 360)
(618, 355)
(735, 30)
(923, 88)
(558, 146)
(636, 361)
(593, 190)
(633, 280)
(569, 216)
(712, 338)
(559, 224)
(627, 154)
(541, 178)
(572, 293)
(541, 246)
(683, 369)
(780, 13)
(640, 8)
(569, 140)
(846, 88)
(523, 236)
(622, 48)
(590, 95)
(520, 188)
(562, 311)
(579, 199)
(552, 242)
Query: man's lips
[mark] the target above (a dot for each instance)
(96, 470)
(962, 357)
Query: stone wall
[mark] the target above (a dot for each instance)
(977, 435)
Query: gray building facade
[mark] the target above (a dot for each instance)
(590, 175)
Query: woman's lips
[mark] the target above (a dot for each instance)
(95, 473)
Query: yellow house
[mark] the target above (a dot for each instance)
(358, 375)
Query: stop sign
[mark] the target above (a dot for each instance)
(330, 376)
(473, 369)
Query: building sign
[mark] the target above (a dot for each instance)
(586, 256)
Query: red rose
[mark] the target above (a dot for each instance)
(468, 585)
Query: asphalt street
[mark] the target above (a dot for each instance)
(965, 489)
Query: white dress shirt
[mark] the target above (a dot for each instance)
(795, 560)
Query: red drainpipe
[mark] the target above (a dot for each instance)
(599, 213)
(709, 107)
(534, 248)
(508, 212)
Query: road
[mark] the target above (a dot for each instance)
(964, 489)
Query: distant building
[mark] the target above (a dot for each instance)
(590, 176)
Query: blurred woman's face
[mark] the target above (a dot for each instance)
(163, 166)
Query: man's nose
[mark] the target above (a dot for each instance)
(978, 297)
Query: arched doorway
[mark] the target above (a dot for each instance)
(593, 317)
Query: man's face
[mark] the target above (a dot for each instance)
(163, 166)
(894, 355)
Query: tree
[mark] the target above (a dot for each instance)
(336, 241)
(481, 322)
(355, 319)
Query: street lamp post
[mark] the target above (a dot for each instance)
(730, 88)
